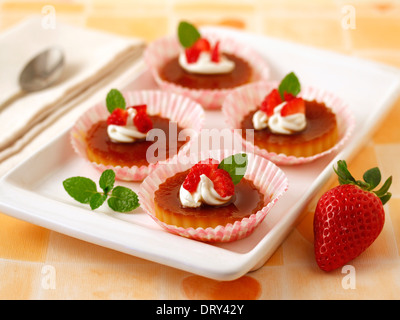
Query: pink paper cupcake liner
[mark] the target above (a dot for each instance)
(186, 112)
(247, 98)
(266, 176)
(164, 49)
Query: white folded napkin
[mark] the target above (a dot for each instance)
(90, 56)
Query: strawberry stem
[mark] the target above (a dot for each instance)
(371, 177)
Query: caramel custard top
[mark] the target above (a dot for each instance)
(246, 201)
(241, 74)
(320, 120)
(129, 154)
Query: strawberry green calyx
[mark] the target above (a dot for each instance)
(371, 180)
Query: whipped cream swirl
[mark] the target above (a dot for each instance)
(205, 193)
(279, 124)
(128, 133)
(204, 65)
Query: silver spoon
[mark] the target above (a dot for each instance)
(39, 73)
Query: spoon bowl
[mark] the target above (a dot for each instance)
(39, 73)
(43, 70)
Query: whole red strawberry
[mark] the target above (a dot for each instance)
(349, 217)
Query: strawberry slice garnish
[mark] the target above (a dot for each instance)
(288, 96)
(142, 121)
(223, 183)
(296, 105)
(212, 163)
(193, 178)
(193, 53)
(287, 91)
(118, 117)
(202, 44)
(221, 179)
(215, 53)
(140, 108)
(272, 100)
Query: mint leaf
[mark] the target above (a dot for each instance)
(107, 180)
(187, 34)
(235, 165)
(289, 84)
(115, 100)
(97, 200)
(80, 188)
(123, 199)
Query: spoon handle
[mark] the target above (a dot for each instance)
(14, 97)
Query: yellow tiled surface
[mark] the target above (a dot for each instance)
(22, 241)
(36, 263)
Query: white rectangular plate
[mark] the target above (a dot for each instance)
(33, 191)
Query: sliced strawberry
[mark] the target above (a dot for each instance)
(272, 100)
(140, 108)
(215, 53)
(212, 162)
(221, 179)
(118, 117)
(192, 54)
(143, 122)
(296, 105)
(223, 183)
(288, 96)
(191, 182)
(193, 178)
(202, 44)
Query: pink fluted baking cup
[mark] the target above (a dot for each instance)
(186, 112)
(266, 176)
(247, 98)
(164, 49)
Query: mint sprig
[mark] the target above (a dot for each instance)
(289, 84)
(115, 100)
(235, 165)
(187, 34)
(84, 190)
